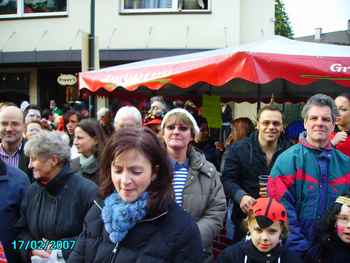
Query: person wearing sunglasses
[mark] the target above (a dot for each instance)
(196, 182)
(249, 159)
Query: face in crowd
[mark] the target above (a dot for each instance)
(32, 115)
(342, 224)
(270, 126)
(73, 121)
(127, 121)
(318, 125)
(265, 239)
(11, 125)
(84, 143)
(177, 134)
(32, 129)
(343, 106)
(132, 174)
(43, 167)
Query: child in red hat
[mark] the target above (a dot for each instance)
(267, 225)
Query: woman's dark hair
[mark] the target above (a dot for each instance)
(241, 128)
(68, 114)
(326, 232)
(145, 141)
(66, 117)
(94, 130)
(46, 113)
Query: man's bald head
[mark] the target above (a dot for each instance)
(12, 110)
(11, 125)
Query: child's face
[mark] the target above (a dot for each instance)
(342, 224)
(265, 239)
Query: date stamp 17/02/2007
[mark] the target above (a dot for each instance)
(43, 244)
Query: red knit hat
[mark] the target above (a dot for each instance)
(156, 121)
(267, 211)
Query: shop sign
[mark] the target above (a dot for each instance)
(67, 79)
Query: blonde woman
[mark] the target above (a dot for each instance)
(196, 182)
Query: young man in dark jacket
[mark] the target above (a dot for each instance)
(248, 159)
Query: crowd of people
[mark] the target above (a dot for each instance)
(155, 186)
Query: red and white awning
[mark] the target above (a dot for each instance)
(266, 63)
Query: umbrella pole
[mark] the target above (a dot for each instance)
(258, 106)
(92, 54)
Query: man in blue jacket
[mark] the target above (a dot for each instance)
(13, 184)
(308, 177)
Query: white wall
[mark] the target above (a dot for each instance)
(256, 21)
(230, 23)
(61, 32)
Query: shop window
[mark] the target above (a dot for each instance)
(22, 8)
(134, 6)
(8, 7)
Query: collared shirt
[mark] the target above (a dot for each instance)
(10, 159)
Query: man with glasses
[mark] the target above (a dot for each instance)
(308, 177)
(249, 159)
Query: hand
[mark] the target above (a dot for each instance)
(219, 146)
(339, 137)
(247, 203)
(41, 253)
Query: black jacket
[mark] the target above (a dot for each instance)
(55, 211)
(245, 249)
(243, 165)
(244, 162)
(335, 251)
(170, 237)
(24, 162)
(13, 184)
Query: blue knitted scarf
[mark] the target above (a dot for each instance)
(120, 216)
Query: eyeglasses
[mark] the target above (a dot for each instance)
(268, 123)
(179, 127)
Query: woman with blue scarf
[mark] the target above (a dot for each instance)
(138, 219)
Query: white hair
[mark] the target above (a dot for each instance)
(129, 111)
(102, 112)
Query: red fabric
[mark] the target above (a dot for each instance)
(278, 186)
(344, 147)
(2, 254)
(343, 180)
(270, 208)
(297, 62)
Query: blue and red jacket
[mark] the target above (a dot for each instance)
(307, 181)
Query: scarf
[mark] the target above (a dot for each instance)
(120, 216)
(85, 162)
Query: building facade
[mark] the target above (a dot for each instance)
(42, 39)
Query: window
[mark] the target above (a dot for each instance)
(22, 8)
(134, 6)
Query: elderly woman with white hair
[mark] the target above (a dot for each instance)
(104, 118)
(196, 182)
(55, 205)
(128, 117)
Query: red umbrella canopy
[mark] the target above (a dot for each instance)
(278, 65)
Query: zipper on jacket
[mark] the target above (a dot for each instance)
(115, 252)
